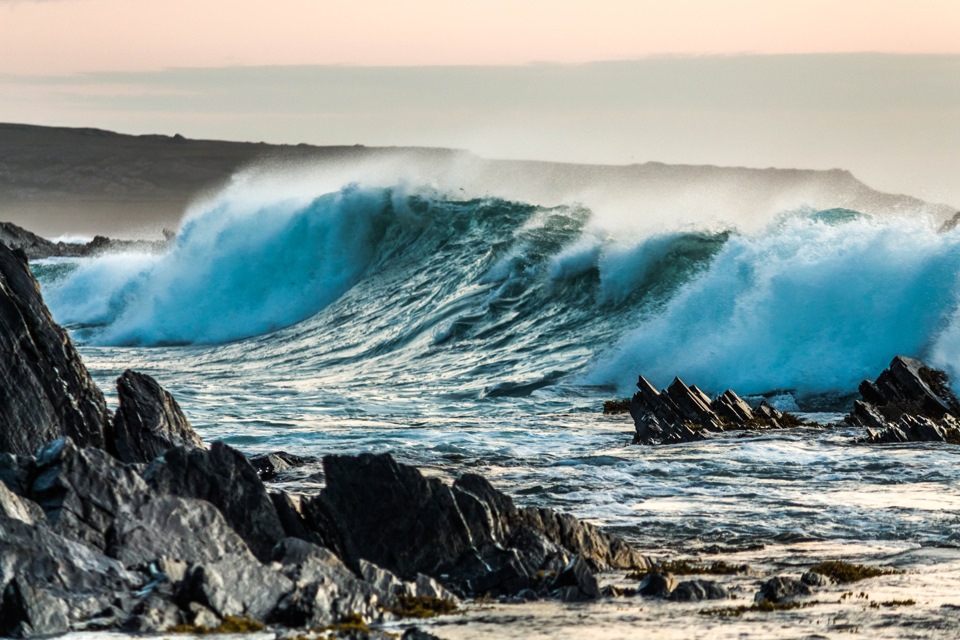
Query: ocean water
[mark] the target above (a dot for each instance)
(484, 334)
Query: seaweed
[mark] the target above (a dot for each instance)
(843, 572)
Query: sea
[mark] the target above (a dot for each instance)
(480, 333)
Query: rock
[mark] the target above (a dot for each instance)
(45, 390)
(686, 414)
(469, 535)
(782, 589)
(26, 612)
(414, 633)
(14, 507)
(657, 585)
(148, 421)
(325, 590)
(199, 616)
(908, 402)
(268, 465)
(223, 477)
(813, 579)
(168, 528)
(154, 614)
(577, 582)
(236, 585)
(697, 590)
(49, 582)
(84, 491)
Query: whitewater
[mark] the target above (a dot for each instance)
(478, 331)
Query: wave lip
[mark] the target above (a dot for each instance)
(235, 271)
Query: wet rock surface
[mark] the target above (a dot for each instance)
(908, 402)
(45, 390)
(682, 413)
(148, 421)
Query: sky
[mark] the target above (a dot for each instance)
(868, 85)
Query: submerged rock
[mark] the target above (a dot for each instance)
(908, 402)
(45, 390)
(682, 413)
(697, 590)
(782, 589)
(149, 421)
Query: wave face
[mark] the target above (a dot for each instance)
(487, 298)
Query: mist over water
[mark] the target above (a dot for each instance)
(504, 297)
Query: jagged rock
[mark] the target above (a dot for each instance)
(84, 491)
(26, 612)
(169, 527)
(35, 247)
(657, 585)
(908, 402)
(268, 465)
(223, 477)
(686, 414)
(148, 421)
(469, 535)
(154, 614)
(325, 590)
(14, 507)
(576, 582)
(45, 390)
(782, 589)
(813, 579)
(696, 590)
(44, 575)
(235, 585)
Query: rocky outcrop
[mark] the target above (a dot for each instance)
(149, 421)
(45, 390)
(682, 413)
(87, 542)
(908, 402)
(37, 248)
(469, 535)
(782, 589)
(223, 477)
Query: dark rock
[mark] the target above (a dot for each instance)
(325, 590)
(813, 579)
(268, 465)
(469, 535)
(45, 390)
(696, 590)
(148, 421)
(170, 527)
(782, 589)
(27, 612)
(236, 585)
(84, 491)
(414, 633)
(657, 585)
(154, 614)
(908, 402)
(391, 515)
(223, 477)
(686, 414)
(577, 581)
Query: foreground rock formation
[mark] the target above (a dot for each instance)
(685, 414)
(908, 402)
(132, 523)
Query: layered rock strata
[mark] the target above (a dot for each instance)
(682, 413)
(908, 402)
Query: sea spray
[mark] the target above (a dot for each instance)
(815, 304)
(484, 295)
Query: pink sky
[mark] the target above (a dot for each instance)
(58, 36)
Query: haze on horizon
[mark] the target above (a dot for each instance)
(872, 86)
